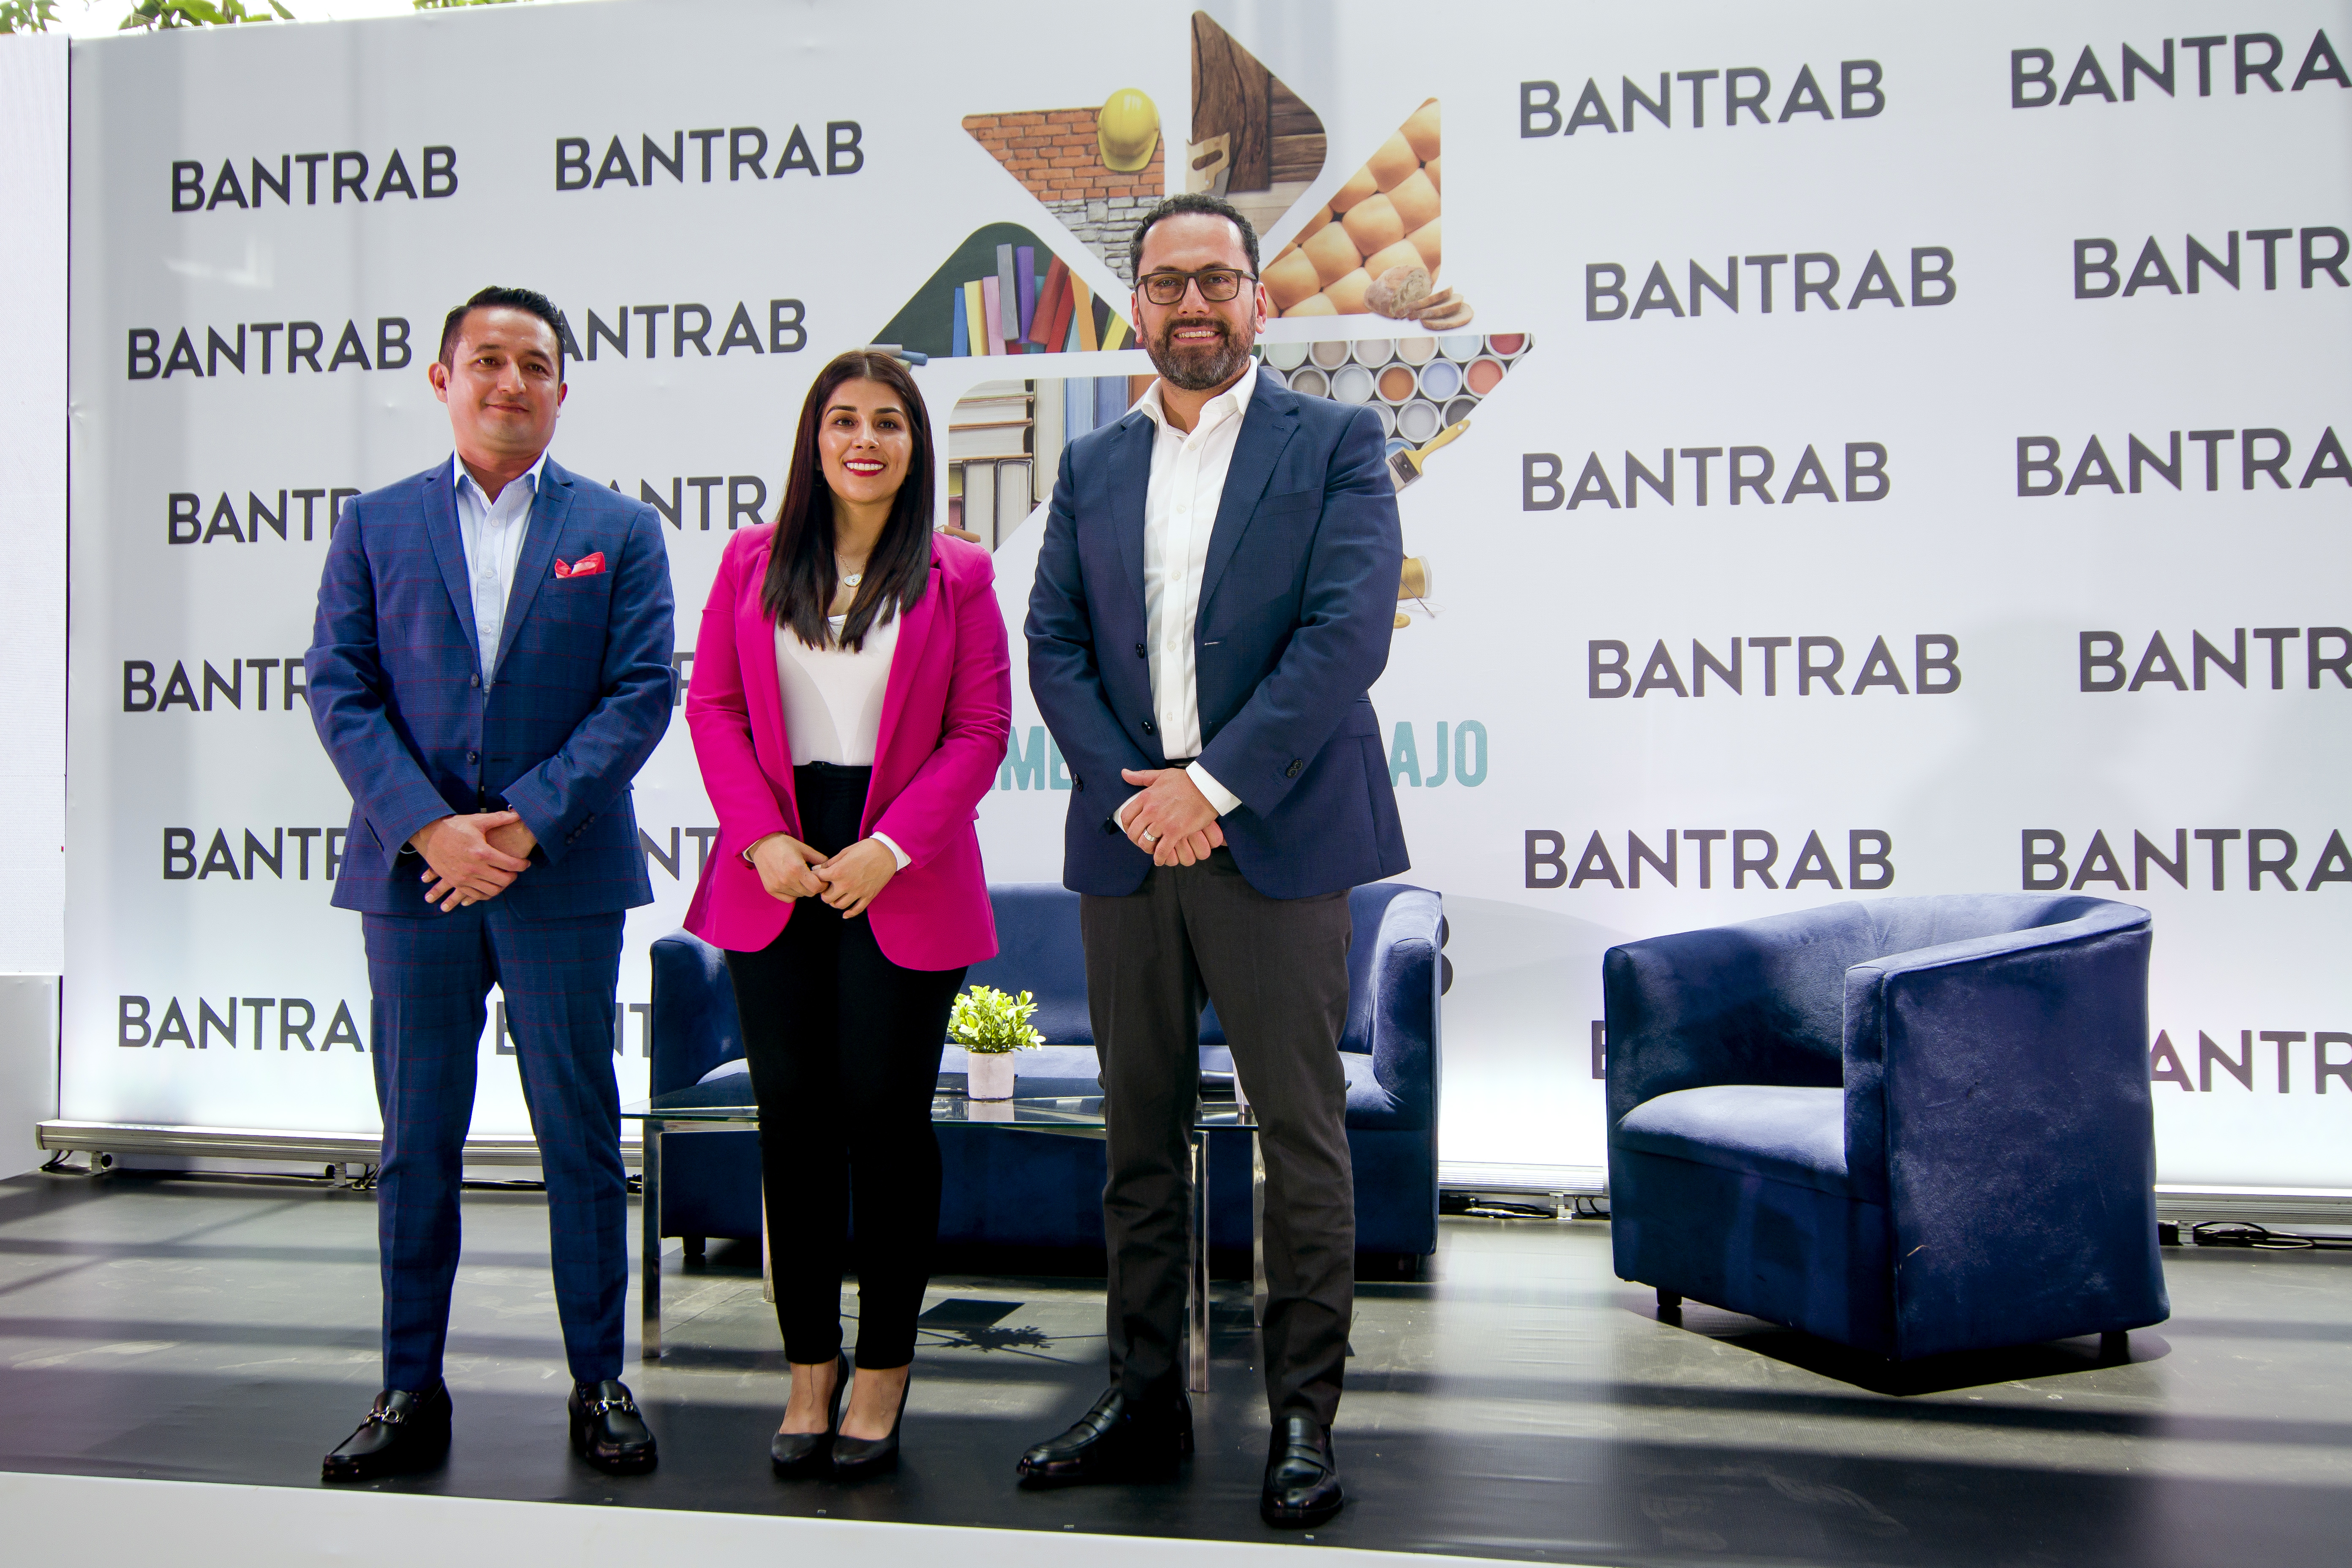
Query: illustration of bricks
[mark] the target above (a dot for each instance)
(1055, 154)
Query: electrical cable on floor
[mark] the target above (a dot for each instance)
(2246, 1233)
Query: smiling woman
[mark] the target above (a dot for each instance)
(850, 705)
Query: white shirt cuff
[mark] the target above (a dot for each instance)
(1119, 818)
(1224, 799)
(891, 844)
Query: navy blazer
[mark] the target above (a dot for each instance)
(580, 696)
(1298, 603)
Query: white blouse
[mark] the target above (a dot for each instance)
(832, 697)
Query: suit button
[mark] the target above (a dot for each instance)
(1138, 651)
(473, 680)
(1146, 726)
(473, 756)
(1292, 771)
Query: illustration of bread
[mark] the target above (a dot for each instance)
(1376, 248)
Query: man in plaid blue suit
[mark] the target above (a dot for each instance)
(490, 669)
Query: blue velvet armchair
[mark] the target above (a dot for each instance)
(1911, 1126)
(1039, 1190)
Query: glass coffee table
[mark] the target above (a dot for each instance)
(727, 1102)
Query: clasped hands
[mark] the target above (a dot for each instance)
(472, 857)
(848, 881)
(1170, 820)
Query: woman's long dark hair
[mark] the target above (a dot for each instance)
(802, 579)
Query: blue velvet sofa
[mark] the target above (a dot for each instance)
(1911, 1126)
(1039, 1190)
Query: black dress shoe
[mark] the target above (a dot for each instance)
(793, 1455)
(606, 1429)
(1118, 1440)
(404, 1432)
(1302, 1477)
(856, 1456)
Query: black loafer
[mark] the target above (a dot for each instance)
(1118, 1440)
(793, 1454)
(606, 1429)
(1302, 1475)
(403, 1433)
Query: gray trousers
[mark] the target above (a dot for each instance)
(1278, 970)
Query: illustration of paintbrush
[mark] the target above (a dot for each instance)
(1404, 466)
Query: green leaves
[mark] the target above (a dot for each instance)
(151, 14)
(27, 16)
(990, 1022)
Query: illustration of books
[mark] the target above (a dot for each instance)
(1003, 292)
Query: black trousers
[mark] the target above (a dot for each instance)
(1278, 970)
(843, 1048)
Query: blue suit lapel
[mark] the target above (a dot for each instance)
(1130, 486)
(449, 548)
(538, 562)
(1266, 428)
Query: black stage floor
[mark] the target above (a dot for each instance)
(1518, 1403)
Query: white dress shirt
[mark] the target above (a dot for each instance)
(1180, 512)
(493, 532)
(832, 699)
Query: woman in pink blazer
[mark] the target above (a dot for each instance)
(850, 699)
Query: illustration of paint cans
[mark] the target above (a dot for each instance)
(1285, 356)
(1440, 379)
(1417, 421)
(1416, 350)
(1353, 384)
(1508, 345)
(1481, 376)
(1388, 418)
(1309, 382)
(1396, 383)
(1331, 354)
(1461, 347)
(1461, 408)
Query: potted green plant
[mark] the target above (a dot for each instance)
(990, 1025)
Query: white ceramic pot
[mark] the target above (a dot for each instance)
(989, 1076)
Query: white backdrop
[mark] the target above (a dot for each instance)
(1981, 336)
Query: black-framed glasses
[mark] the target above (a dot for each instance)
(1217, 285)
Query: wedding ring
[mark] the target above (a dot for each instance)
(1149, 837)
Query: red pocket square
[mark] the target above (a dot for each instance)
(586, 566)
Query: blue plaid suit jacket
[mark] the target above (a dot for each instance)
(580, 695)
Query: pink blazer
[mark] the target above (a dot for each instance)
(946, 712)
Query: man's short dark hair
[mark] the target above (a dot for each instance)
(1189, 202)
(529, 300)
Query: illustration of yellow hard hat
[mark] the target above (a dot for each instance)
(1127, 130)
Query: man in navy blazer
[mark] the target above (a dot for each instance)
(1214, 595)
(490, 669)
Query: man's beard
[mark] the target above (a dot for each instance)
(1201, 367)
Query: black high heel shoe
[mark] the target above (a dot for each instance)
(856, 1456)
(793, 1454)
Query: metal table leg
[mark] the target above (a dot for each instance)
(1196, 1377)
(649, 1193)
(1258, 1228)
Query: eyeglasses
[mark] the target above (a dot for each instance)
(1218, 285)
